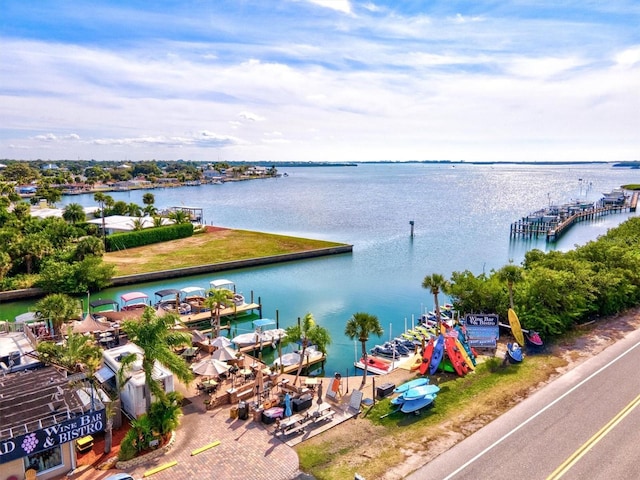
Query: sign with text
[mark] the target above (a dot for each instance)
(482, 329)
(48, 437)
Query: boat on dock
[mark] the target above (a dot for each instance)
(224, 284)
(169, 300)
(134, 301)
(376, 365)
(195, 298)
(261, 337)
(289, 362)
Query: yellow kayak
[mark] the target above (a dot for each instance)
(465, 355)
(516, 329)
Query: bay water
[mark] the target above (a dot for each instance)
(461, 213)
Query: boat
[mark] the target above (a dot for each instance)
(438, 354)
(194, 297)
(96, 305)
(390, 350)
(420, 391)
(376, 365)
(414, 406)
(223, 283)
(134, 301)
(533, 339)
(418, 382)
(516, 329)
(168, 299)
(455, 356)
(514, 353)
(426, 357)
(260, 335)
(311, 354)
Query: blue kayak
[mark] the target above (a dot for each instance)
(411, 406)
(411, 384)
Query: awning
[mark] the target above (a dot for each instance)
(263, 322)
(104, 374)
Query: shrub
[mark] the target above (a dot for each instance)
(138, 238)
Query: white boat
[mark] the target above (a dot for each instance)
(311, 354)
(260, 335)
(376, 365)
(194, 297)
(223, 283)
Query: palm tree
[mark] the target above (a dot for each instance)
(158, 221)
(34, 246)
(511, 274)
(74, 213)
(436, 283)
(217, 299)
(137, 223)
(57, 308)
(153, 334)
(101, 198)
(179, 216)
(77, 354)
(89, 246)
(148, 199)
(360, 326)
(134, 210)
(308, 332)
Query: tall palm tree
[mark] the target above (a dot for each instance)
(511, 274)
(57, 308)
(74, 213)
(153, 334)
(101, 198)
(361, 325)
(307, 332)
(436, 283)
(217, 299)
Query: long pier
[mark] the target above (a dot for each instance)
(552, 226)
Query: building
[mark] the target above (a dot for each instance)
(132, 394)
(42, 415)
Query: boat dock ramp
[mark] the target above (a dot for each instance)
(553, 221)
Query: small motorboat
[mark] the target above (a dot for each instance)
(134, 301)
(533, 339)
(514, 353)
(376, 365)
(222, 283)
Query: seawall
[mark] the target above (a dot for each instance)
(196, 270)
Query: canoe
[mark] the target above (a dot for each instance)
(426, 357)
(419, 392)
(418, 382)
(438, 353)
(516, 329)
(411, 406)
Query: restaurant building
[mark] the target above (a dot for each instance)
(43, 412)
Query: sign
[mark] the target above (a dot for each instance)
(482, 329)
(48, 437)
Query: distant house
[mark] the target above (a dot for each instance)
(125, 223)
(50, 166)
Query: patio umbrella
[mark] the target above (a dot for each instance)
(259, 383)
(210, 367)
(320, 393)
(287, 405)
(198, 336)
(221, 342)
(224, 354)
(89, 324)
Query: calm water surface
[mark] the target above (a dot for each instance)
(462, 215)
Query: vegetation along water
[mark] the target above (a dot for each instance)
(461, 215)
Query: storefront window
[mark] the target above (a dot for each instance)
(44, 460)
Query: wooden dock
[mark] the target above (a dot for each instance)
(553, 230)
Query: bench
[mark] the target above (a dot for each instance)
(296, 429)
(326, 414)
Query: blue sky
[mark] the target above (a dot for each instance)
(320, 80)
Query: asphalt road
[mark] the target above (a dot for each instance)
(582, 425)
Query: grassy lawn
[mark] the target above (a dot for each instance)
(214, 246)
(463, 406)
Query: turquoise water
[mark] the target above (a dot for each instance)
(462, 215)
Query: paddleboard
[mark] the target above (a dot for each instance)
(419, 392)
(438, 353)
(418, 382)
(426, 357)
(411, 406)
(516, 329)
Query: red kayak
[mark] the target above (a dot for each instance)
(426, 357)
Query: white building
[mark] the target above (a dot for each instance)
(132, 395)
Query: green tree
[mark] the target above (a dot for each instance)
(73, 213)
(137, 224)
(179, 216)
(307, 332)
(360, 326)
(511, 274)
(34, 247)
(5, 265)
(148, 199)
(57, 308)
(217, 299)
(153, 334)
(101, 198)
(89, 246)
(436, 283)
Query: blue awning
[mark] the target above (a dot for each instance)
(263, 322)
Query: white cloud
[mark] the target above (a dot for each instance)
(251, 116)
(629, 57)
(343, 6)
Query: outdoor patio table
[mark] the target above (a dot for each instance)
(209, 385)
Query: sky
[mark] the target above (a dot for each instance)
(320, 80)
